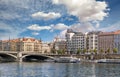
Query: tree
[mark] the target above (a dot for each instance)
(90, 51)
(53, 51)
(108, 50)
(59, 51)
(95, 51)
(101, 51)
(45, 51)
(78, 51)
(85, 50)
(63, 51)
(115, 50)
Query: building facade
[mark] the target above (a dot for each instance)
(59, 43)
(46, 48)
(69, 35)
(75, 41)
(92, 40)
(108, 41)
(78, 42)
(22, 44)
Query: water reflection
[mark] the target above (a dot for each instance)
(59, 70)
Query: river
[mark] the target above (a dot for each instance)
(43, 69)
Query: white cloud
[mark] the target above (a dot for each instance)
(46, 16)
(85, 10)
(35, 33)
(62, 34)
(36, 27)
(60, 26)
(84, 27)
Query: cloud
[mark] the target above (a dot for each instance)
(89, 12)
(60, 26)
(36, 27)
(35, 33)
(46, 16)
(85, 10)
(84, 27)
(62, 34)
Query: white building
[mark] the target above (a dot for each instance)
(59, 43)
(75, 41)
(92, 40)
(69, 36)
(78, 41)
(46, 48)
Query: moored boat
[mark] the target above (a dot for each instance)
(109, 61)
(67, 60)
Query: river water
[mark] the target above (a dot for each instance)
(59, 70)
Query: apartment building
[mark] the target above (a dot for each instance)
(21, 44)
(92, 40)
(78, 42)
(46, 48)
(31, 45)
(109, 41)
(75, 41)
(59, 43)
(69, 35)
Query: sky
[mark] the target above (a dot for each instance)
(46, 19)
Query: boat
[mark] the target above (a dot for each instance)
(109, 61)
(67, 60)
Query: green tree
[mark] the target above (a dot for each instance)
(108, 50)
(101, 51)
(90, 51)
(95, 51)
(64, 51)
(115, 50)
(85, 50)
(78, 51)
(59, 51)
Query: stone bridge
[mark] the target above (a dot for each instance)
(21, 56)
(28, 56)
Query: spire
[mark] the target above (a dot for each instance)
(9, 37)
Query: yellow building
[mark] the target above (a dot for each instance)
(21, 44)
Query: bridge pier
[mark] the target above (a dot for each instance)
(19, 57)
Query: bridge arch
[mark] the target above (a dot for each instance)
(8, 57)
(36, 57)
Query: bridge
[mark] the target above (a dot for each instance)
(23, 56)
(32, 56)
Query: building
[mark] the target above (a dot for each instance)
(75, 41)
(31, 45)
(22, 44)
(46, 48)
(59, 43)
(92, 40)
(108, 41)
(69, 35)
(78, 42)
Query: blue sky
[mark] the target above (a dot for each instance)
(46, 19)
